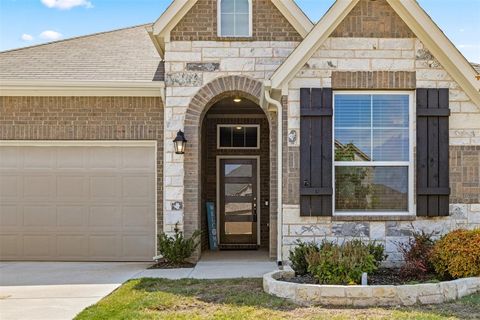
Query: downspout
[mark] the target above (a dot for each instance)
(279, 110)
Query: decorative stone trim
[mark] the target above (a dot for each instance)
(374, 80)
(363, 296)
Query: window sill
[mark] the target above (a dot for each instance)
(374, 218)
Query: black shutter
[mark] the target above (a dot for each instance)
(316, 161)
(433, 189)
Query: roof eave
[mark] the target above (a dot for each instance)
(439, 45)
(82, 88)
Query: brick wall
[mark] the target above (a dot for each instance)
(86, 118)
(373, 18)
(374, 80)
(200, 24)
(209, 173)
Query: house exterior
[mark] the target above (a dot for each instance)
(363, 125)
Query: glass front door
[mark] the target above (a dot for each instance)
(238, 201)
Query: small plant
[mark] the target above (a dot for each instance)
(457, 254)
(298, 256)
(341, 264)
(177, 248)
(377, 250)
(416, 254)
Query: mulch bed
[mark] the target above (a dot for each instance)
(382, 276)
(167, 265)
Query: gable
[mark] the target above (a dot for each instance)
(200, 24)
(373, 19)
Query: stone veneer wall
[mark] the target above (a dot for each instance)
(86, 118)
(350, 61)
(192, 70)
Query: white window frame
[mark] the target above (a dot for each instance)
(410, 163)
(238, 125)
(219, 21)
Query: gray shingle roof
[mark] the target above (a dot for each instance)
(120, 55)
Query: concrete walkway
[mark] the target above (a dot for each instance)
(220, 265)
(60, 290)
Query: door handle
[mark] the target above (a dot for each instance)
(254, 211)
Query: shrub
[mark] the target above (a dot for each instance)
(416, 254)
(457, 254)
(299, 254)
(377, 250)
(341, 264)
(177, 248)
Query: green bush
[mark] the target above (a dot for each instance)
(377, 250)
(457, 254)
(177, 248)
(341, 264)
(298, 256)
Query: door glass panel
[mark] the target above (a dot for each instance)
(238, 170)
(232, 228)
(238, 189)
(234, 208)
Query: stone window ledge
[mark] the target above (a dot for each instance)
(374, 218)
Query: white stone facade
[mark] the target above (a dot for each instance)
(258, 60)
(254, 59)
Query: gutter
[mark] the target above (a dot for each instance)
(279, 110)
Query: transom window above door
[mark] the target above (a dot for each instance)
(373, 153)
(234, 18)
(239, 136)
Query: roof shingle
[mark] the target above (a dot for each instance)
(120, 55)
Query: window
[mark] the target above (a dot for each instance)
(234, 18)
(238, 136)
(373, 152)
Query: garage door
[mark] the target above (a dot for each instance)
(77, 202)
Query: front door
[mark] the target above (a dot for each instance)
(238, 201)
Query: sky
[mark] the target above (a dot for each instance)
(30, 22)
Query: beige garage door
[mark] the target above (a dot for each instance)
(77, 202)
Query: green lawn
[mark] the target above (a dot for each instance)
(244, 299)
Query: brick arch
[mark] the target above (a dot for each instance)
(208, 95)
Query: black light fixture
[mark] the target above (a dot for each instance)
(180, 142)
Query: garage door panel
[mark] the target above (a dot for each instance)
(137, 216)
(72, 246)
(10, 186)
(9, 159)
(39, 158)
(72, 187)
(104, 246)
(72, 159)
(105, 187)
(72, 216)
(9, 216)
(38, 246)
(39, 216)
(104, 158)
(137, 187)
(39, 186)
(108, 216)
(90, 203)
(10, 247)
(136, 246)
(138, 159)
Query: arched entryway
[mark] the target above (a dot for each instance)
(212, 109)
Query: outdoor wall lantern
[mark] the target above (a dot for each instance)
(180, 142)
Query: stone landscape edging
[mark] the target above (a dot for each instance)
(365, 296)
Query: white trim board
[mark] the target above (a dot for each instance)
(82, 88)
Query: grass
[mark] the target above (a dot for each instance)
(244, 299)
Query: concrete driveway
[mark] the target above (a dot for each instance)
(58, 290)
